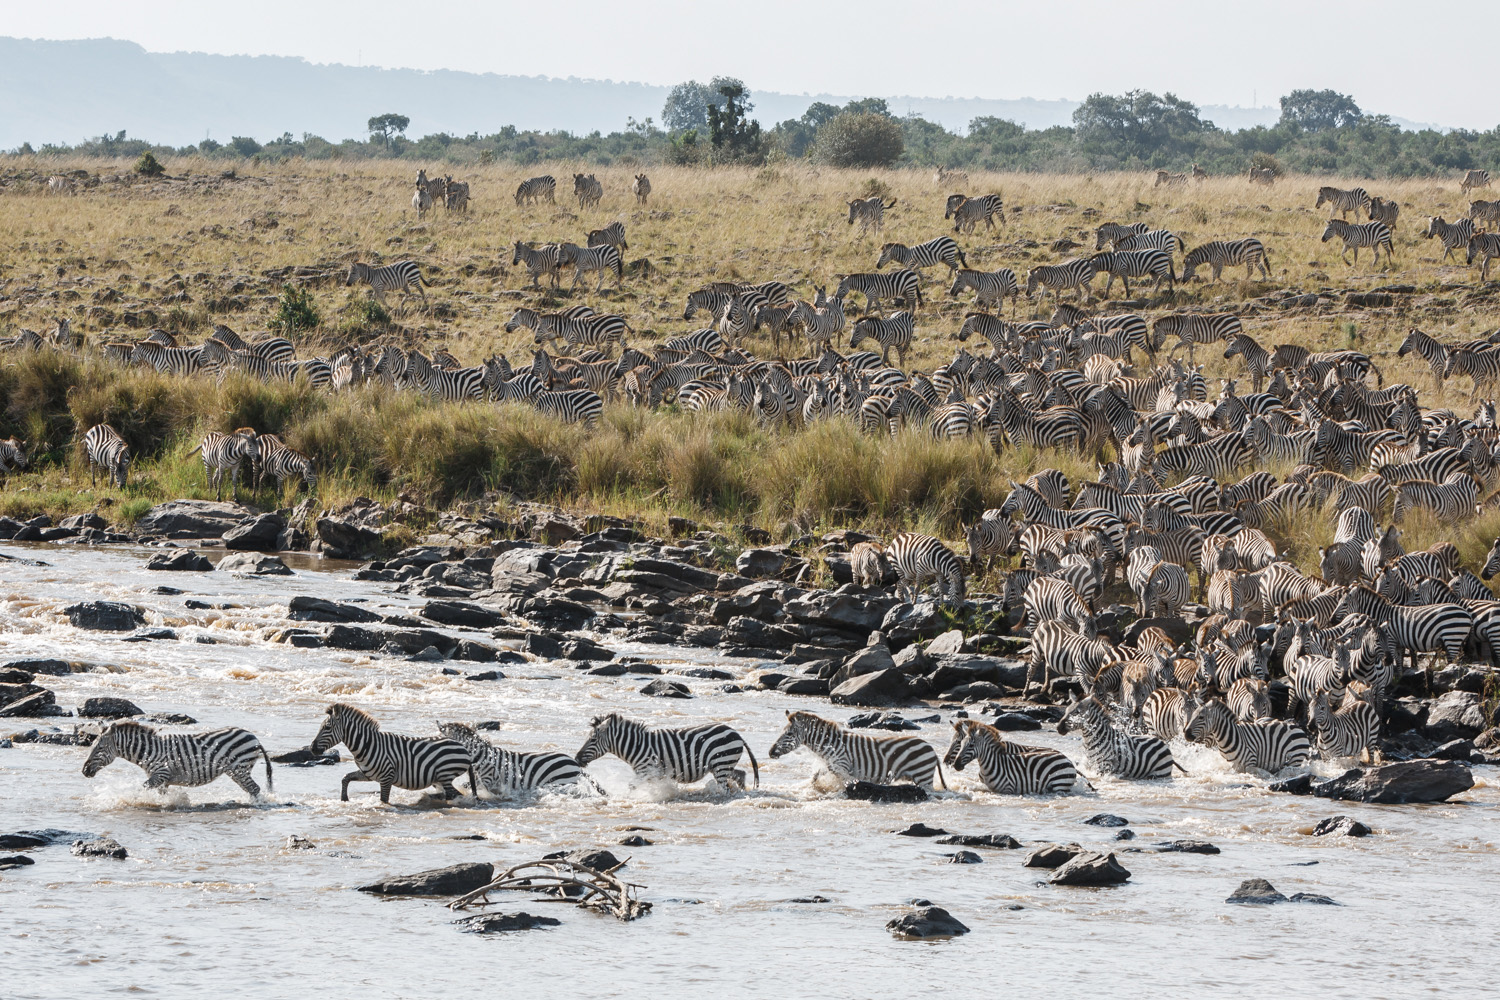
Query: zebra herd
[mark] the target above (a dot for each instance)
(451, 194)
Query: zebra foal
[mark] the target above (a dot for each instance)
(390, 759)
(504, 772)
(1009, 768)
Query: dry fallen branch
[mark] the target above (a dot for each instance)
(562, 881)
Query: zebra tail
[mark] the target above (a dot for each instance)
(270, 784)
(941, 780)
(754, 767)
(962, 259)
(473, 782)
(1179, 766)
(195, 450)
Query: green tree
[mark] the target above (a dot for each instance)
(868, 106)
(147, 166)
(860, 140)
(1139, 125)
(387, 127)
(1318, 110)
(244, 145)
(732, 133)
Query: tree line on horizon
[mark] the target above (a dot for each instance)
(1319, 132)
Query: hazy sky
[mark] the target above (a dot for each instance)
(1406, 59)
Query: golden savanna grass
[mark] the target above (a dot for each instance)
(196, 249)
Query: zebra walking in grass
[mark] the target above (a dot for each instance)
(446, 384)
(1350, 730)
(1170, 179)
(601, 330)
(167, 360)
(991, 288)
(1009, 768)
(1058, 278)
(1384, 211)
(942, 250)
(820, 324)
(537, 188)
(1156, 239)
(421, 201)
(455, 195)
(641, 188)
(572, 406)
(1433, 351)
(1109, 751)
(1482, 364)
(904, 284)
(1483, 247)
(869, 213)
(896, 332)
(919, 559)
(1127, 264)
(274, 458)
(504, 772)
(1354, 200)
(225, 452)
(1375, 235)
(1474, 179)
(1220, 254)
(106, 449)
(854, 757)
(588, 190)
(389, 759)
(540, 260)
(1452, 234)
(1267, 746)
(1110, 232)
(402, 276)
(188, 759)
(1450, 501)
(969, 212)
(611, 235)
(12, 455)
(600, 259)
(1192, 329)
(682, 755)
(1484, 211)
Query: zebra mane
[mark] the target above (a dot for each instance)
(345, 709)
(129, 726)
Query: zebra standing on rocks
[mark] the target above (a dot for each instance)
(531, 190)
(1267, 746)
(1109, 751)
(189, 759)
(1009, 768)
(504, 772)
(390, 759)
(223, 452)
(1351, 730)
(683, 755)
(107, 450)
(868, 564)
(853, 757)
(920, 559)
(401, 276)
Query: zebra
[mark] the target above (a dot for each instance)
(969, 212)
(595, 258)
(1381, 210)
(540, 260)
(225, 451)
(1127, 264)
(1162, 587)
(1155, 239)
(869, 212)
(1375, 235)
(1076, 273)
(273, 457)
(1192, 329)
(1049, 599)
(1257, 359)
(167, 360)
(1166, 711)
(1484, 211)
(588, 190)
(1263, 175)
(611, 235)
(641, 188)
(106, 449)
(944, 177)
(1009, 768)
(1170, 179)
(574, 406)
(1217, 458)
(1350, 730)
(504, 772)
(1267, 746)
(1220, 254)
(1420, 628)
(919, 559)
(1481, 365)
(1108, 751)
(1057, 649)
(1485, 247)
(904, 285)
(1059, 427)
(1433, 351)
(1343, 202)
(1474, 179)
(1112, 231)
(531, 190)
(1249, 698)
(895, 332)
(682, 755)
(189, 759)
(12, 455)
(455, 195)
(1453, 234)
(868, 564)
(389, 759)
(1450, 501)
(446, 384)
(854, 757)
(990, 287)
(401, 276)
(421, 201)
(942, 250)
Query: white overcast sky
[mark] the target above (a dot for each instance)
(1411, 59)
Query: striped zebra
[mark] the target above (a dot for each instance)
(1108, 233)
(904, 285)
(273, 457)
(1170, 179)
(969, 212)
(1009, 768)
(455, 195)
(225, 452)
(1354, 200)
(1049, 599)
(1249, 698)
(854, 757)
(896, 332)
(601, 259)
(869, 212)
(1474, 179)
(1127, 264)
(1056, 650)
(1192, 329)
(682, 755)
(820, 324)
(1166, 711)
(402, 276)
(1483, 247)
(1156, 239)
(539, 260)
(588, 190)
(1217, 458)
(991, 288)
(188, 759)
(1375, 235)
(1266, 746)
(641, 188)
(1453, 234)
(1433, 351)
(1484, 211)
(503, 773)
(1060, 427)
(1162, 588)
(595, 330)
(1057, 278)
(868, 564)
(1263, 175)
(389, 759)
(1384, 211)
(919, 559)
(537, 188)
(1422, 628)
(1350, 730)
(942, 250)
(1451, 501)
(1109, 751)
(446, 384)
(572, 406)
(1219, 254)
(421, 201)
(1480, 364)
(167, 360)
(1257, 359)
(12, 455)
(611, 235)
(106, 449)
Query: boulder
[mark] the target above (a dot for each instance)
(30, 840)
(878, 690)
(105, 616)
(1052, 855)
(756, 563)
(951, 641)
(666, 689)
(183, 560)
(927, 922)
(866, 661)
(964, 858)
(306, 758)
(1090, 869)
(808, 686)
(101, 847)
(83, 522)
(343, 538)
(1256, 891)
(494, 923)
(455, 880)
(314, 609)
(920, 830)
(1015, 722)
(883, 720)
(1344, 826)
(973, 691)
(15, 861)
(1457, 715)
(12, 691)
(54, 668)
(1300, 784)
(110, 708)
(259, 534)
(1107, 819)
(192, 518)
(461, 614)
(254, 564)
(913, 660)
(999, 841)
(1401, 782)
(869, 791)
(585, 649)
(41, 704)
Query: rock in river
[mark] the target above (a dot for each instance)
(667, 689)
(105, 616)
(110, 708)
(254, 564)
(455, 880)
(259, 534)
(1401, 782)
(1090, 869)
(492, 923)
(192, 518)
(102, 847)
(185, 560)
(927, 922)
(314, 609)
(868, 791)
(1342, 825)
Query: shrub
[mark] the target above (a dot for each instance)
(147, 166)
(859, 140)
(295, 311)
(1263, 161)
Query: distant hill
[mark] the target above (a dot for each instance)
(67, 91)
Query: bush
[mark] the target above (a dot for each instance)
(1264, 161)
(859, 140)
(147, 166)
(295, 312)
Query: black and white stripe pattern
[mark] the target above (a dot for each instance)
(1350, 730)
(588, 190)
(189, 759)
(446, 384)
(539, 260)
(1423, 628)
(896, 332)
(1354, 200)
(1375, 235)
(1058, 278)
(573, 406)
(1483, 247)
(1485, 212)
(402, 276)
(1110, 232)
(503, 773)
(275, 458)
(601, 259)
(1482, 364)
(920, 559)
(167, 360)
(12, 455)
(869, 213)
(226, 452)
(1450, 501)
(1009, 768)
(1110, 751)
(611, 235)
(991, 288)
(1453, 234)
(969, 212)
(1127, 264)
(389, 759)
(904, 284)
(1154, 239)
(681, 755)
(536, 188)
(1192, 329)
(1474, 179)
(1385, 211)
(1267, 746)
(942, 250)
(1220, 254)
(856, 757)
(106, 449)
(641, 188)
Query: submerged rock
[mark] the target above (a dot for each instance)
(105, 616)
(306, 758)
(927, 922)
(494, 923)
(869, 791)
(102, 847)
(1090, 869)
(1256, 890)
(254, 564)
(1342, 825)
(964, 858)
(15, 861)
(1401, 782)
(314, 609)
(920, 830)
(666, 689)
(1107, 819)
(454, 880)
(184, 560)
(996, 840)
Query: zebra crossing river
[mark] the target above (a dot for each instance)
(210, 895)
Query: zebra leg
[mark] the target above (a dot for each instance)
(357, 776)
(159, 778)
(245, 781)
(450, 792)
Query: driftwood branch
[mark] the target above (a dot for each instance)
(563, 881)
